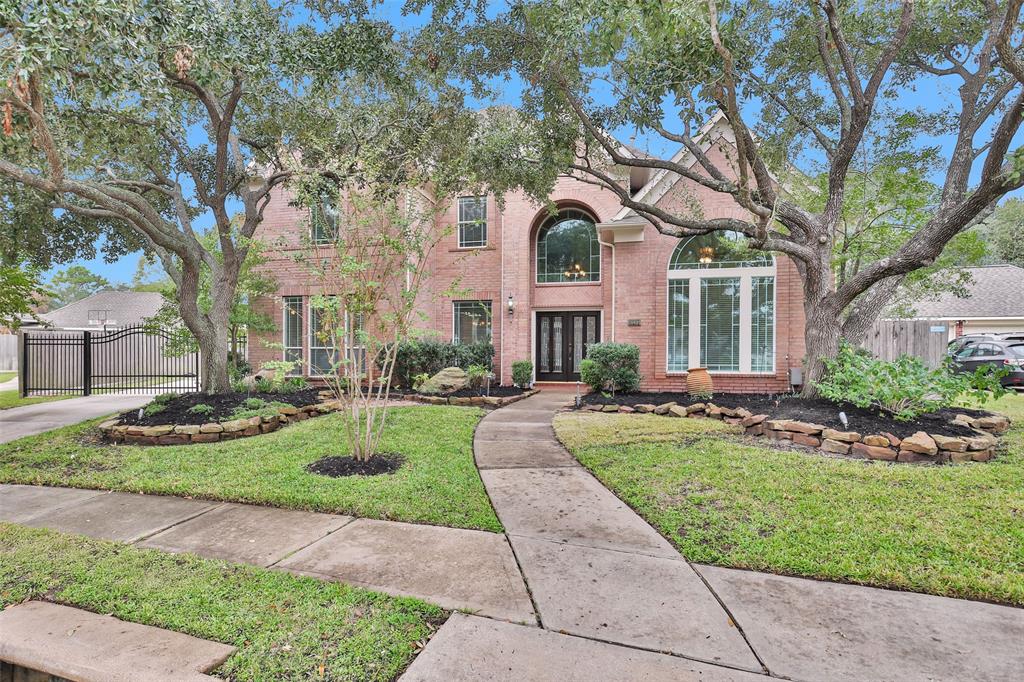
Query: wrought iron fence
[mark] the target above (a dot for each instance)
(128, 360)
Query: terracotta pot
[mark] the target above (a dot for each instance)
(699, 381)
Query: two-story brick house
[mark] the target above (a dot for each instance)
(543, 287)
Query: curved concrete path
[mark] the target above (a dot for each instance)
(613, 597)
(18, 422)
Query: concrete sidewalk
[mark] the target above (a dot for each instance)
(610, 591)
(19, 422)
(451, 567)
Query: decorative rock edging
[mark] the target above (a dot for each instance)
(477, 400)
(182, 434)
(919, 447)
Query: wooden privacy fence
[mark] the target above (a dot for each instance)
(926, 339)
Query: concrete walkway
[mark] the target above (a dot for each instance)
(19, 422)
(453, 568)
(609, 592)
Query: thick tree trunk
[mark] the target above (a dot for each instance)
(821, 338)
(213, 351)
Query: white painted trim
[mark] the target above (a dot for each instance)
(472, 300)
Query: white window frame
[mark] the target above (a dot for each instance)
(596, 239)
(466, 223)
(746, 276)
(302, 333)
(487, 303)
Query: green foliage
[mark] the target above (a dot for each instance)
(73, 284)
(201, 408)
(1003, 230)
(255, 407)
(19, 288)
(904, 388)
(153, 408)
(164, 398)
(522, 373)
(419, 379)
(429, 357)
(476, 375)
(612, 366)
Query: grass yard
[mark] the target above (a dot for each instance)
(285, 627)
(438, 483)
(721, 499)
(9, 399)
(7, 376)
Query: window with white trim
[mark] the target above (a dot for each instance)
(291, 328)
(323, 351)
(472, 322)
(472, 222)
(568, 249)
(324, 219)
(721, 306)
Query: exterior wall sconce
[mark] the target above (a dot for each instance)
(511, 305)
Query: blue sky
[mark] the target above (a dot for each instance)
(931, 95)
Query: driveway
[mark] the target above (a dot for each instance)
(19, 422)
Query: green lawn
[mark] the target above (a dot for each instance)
(9, 399)
(950, 530)
(285, 627)
(7, 376)
(438, 483)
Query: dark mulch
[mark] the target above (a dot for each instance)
(496, 391)
(817, 411)
(337, 467)
(177, 410)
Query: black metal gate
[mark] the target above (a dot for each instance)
(128, 360)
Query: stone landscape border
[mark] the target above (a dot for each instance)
(211, 432)
(477, 400)
(921, 447)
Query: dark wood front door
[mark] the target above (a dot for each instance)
(562, 342)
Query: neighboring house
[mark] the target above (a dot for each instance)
(104, 310)
(542, 288)
(994, 303)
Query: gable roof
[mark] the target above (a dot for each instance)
(997, 291)
(119, 308)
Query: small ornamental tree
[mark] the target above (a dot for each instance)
(371, 277)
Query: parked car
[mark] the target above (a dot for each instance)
(1000, 354)
(961, 342)
(1012, 337)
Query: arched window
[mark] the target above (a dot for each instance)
(567, 249)
(721, 305)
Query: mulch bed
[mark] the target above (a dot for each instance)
(816, 411)
(496, 391)
(337, 467)
(224, 404)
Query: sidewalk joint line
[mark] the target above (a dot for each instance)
(732, 617)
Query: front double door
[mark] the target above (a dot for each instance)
(562, 342)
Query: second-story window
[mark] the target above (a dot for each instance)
(325, 220)
(472, 222)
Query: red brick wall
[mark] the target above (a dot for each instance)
(507, 266)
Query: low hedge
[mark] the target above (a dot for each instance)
(430, 357)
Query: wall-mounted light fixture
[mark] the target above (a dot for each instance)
(511, 305)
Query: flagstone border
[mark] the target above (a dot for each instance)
(921, 447)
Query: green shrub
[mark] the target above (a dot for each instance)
(271, 409)
(164, 398)
(430, 357)
(612, 366)
(154, 408)
(905, 388)
(419, 379)
(476, 375)
(201, 408)
(253, 403)
(522, 373)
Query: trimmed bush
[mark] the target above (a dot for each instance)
(905, 388)
(430, 357)
(522, 373)
(612, 367)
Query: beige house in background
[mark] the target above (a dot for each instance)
(995, 303)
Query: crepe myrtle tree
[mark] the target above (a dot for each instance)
(798, 84)
(372, 274)
(159, 116)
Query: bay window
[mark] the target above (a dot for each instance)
(721, 306)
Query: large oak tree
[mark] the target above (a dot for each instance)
(800, 85)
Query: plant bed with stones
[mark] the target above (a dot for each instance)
(949, 435)
(499, 397)
(224, 416)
